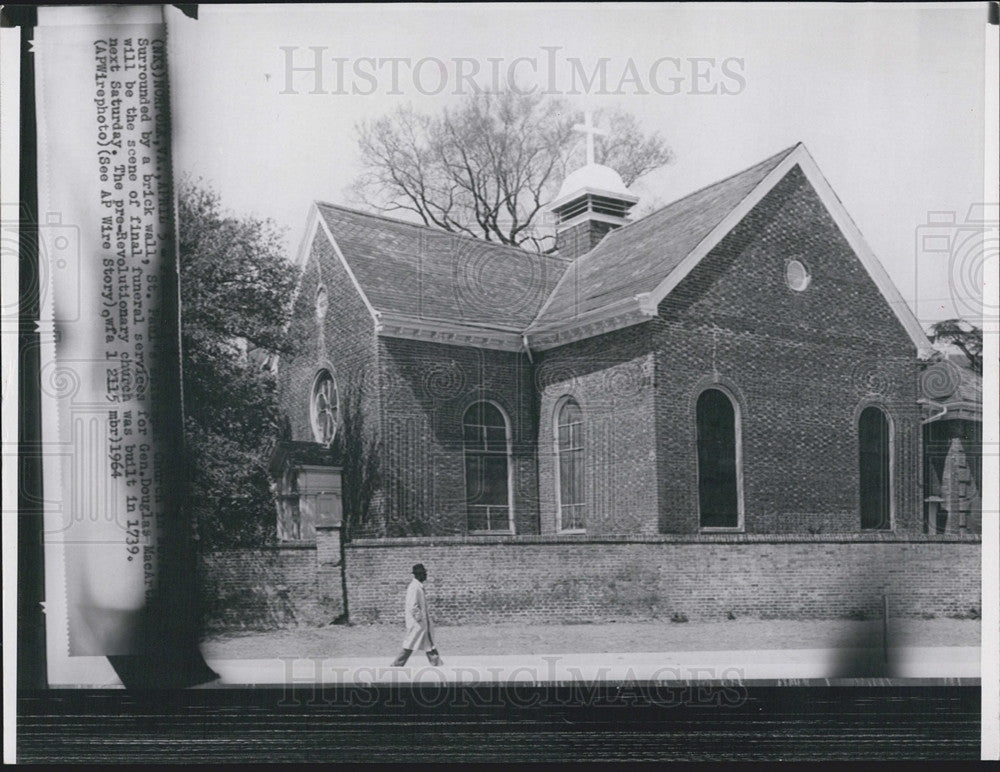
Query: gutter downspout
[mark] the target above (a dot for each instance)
(931, 513)
(942, 414)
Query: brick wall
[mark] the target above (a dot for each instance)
(267, 589)
(581, 238)
(344, 341)
(547, 580)
(327, 547)
(801, 366)
(426, 388)
(611, 378)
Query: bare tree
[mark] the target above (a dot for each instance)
(488, 166)
(360, 450)
(627, 149)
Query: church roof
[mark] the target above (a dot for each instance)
(423, 283)
(409, 270)
(636, 258)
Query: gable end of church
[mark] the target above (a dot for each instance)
(652, 259)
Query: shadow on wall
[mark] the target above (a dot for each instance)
(262, 590)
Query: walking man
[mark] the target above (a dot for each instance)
(418, 621)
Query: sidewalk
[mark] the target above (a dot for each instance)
(737, 650)
(383, 640)
(783, 666)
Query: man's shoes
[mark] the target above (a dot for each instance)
(401, 659)
(435, 660)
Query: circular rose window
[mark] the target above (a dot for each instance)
(796, 275)
(323, 407)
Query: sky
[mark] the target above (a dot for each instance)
(888, 100)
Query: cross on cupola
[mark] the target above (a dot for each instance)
(590, 131)
(592, 200)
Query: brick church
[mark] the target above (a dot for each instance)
(735, 362)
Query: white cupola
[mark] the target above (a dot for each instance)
(592, 201)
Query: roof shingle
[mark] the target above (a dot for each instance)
(418, 271)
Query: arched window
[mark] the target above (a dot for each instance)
(569, 462)
(323, 407)
(486, 441)
(875, 460)
(322, 302)
(719, 456)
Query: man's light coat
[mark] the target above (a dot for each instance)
(418, 620)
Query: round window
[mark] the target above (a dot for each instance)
(323, 407)
(796, 275)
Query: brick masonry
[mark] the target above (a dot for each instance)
(800, 365)
(551, 580)
(579, 239)
(267, 589)
(426, 389)
(343, 341)
(611, 378)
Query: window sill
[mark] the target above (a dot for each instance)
(506, 532)
(571, 532)
(721, 529)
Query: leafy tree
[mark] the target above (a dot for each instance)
(966, 337)
(236, 285)
(488, 166)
